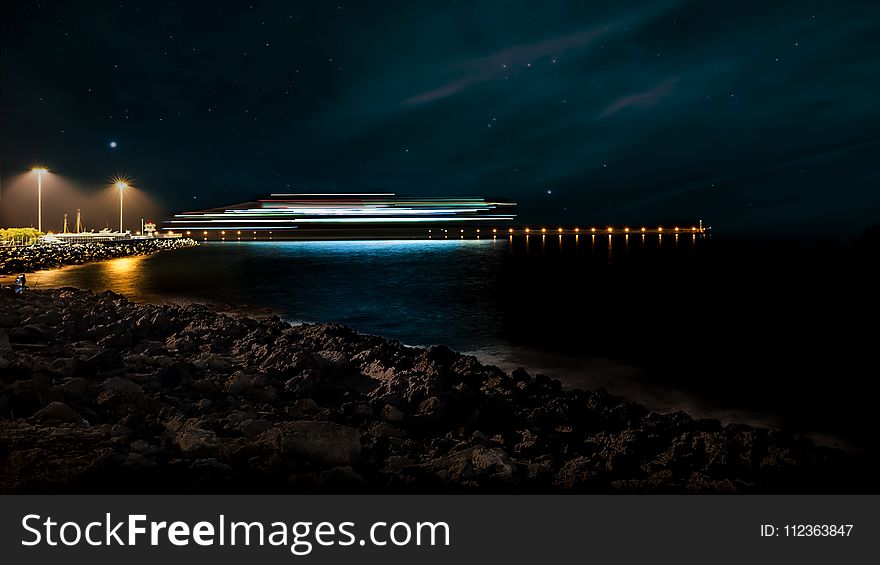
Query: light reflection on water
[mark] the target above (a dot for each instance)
(410, 289)
(124, 275)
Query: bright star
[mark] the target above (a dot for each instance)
(112, 145)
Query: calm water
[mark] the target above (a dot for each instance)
(759, 334)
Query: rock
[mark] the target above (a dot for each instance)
(118, 392)
(199, 401)
(139, 445)
(213, 362)
(324, 442)
(196, 442)
(342, 478)
(431, 407)
(76, 390)
(32, 334)
(105, 359)
(58, 412)
(392, 414)
(477, 464)
(385, 430)
(239, 383)
(251, 428)
(8, 319)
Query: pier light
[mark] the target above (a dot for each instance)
(543, 230)
(205, 233)
(610, 230)
(643, 230)
(478, 230)
(527, 230)
(120, 183)
(559, 230)
(39, 171)
(509, 230)
(223, 232)
(676, 229)
(462, 231)
(188, 232)
(626, 230)
(693, 229)
(494, 230)
(593, 230)
(660, 229)
(577, 230)
(238, 232)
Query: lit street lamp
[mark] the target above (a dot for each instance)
(121, 185)
(40, 171)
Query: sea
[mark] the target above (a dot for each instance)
(767, 333)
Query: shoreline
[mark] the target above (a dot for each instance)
(100, 394)
(620, 377)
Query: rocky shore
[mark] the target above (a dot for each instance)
(15, 260)
(99, 394)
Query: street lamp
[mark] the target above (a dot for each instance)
(120, 185)
(40, 171)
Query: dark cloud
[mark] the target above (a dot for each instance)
(750, 115)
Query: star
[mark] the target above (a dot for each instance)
(113, 145)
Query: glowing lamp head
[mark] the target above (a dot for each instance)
(40, 170)
(626, 230)
(559, 230)
(593, 230)
(543, 230)
(660, 229)
(610, 230)
(121, 185)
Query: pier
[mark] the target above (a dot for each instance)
(696, 231)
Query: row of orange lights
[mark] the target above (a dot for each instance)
(511, 230)
(593, 230)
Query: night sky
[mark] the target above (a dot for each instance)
(752, 116)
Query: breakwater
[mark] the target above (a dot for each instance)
(14, 260)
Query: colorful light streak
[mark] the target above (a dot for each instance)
(293, 211)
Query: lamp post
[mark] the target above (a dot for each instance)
(40, 171)
(121, 186)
